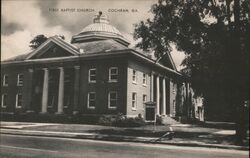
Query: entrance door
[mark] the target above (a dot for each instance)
(150, 114)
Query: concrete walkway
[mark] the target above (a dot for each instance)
(184, 135)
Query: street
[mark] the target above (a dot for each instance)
(31, 146)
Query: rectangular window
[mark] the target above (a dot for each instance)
(5, 80)
(4, 101)
(134, 76)
(112, 100)
(51, 102)
(92, 75)
(91, 100)
(67, 101)
(19, 100)
(113, 74)
(144, 98)
(134, 101)
(144, 79)
(20, 80)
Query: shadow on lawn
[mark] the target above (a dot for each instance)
(178, 135)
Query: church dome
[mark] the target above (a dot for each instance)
(99, 29)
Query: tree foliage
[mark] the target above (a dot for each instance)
(214, 34)
(40, 39)
(37, 41)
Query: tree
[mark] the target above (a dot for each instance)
(40, 39)
(37, 41)
(215, 35)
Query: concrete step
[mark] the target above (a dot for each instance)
(167, 120)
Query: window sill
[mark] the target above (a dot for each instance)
(18, 107)
(112, 108)
(4, 107)
(5, 85)
(134, 82)
(134, 109)
(144, 85)
(91, 108)
(92, 81)
(113, 81)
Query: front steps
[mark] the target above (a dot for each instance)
(167, 120)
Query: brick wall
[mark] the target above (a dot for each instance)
(137, 87)
(102, 86)
(13, 89)
(172, 97)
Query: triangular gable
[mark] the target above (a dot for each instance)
(53, 47)
(167, 60)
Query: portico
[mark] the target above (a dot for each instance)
(57, 95)
(160, 93)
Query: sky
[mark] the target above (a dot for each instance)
(22, 20)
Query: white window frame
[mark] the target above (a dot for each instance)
(91, 107)
(109, 99)
(144, 79)
(144, 98)
(110, 69)
(92, 81)
(134, 76)
(4, 96)
(4, 80)
(134, 101)
(18, 80)
(17, 99)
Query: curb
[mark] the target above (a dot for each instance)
(117, 138)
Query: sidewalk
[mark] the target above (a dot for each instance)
(184, 134)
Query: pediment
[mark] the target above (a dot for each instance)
(52, 51)
(167, 61)
(53, 48)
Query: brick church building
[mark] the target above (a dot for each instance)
(97, 73)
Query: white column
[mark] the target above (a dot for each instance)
(157, 95)
(164, 96)
(152, 87)
(76, 90)
(60, 91)
(45, 90)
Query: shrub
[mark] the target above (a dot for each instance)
(123, 121)
(106, 120)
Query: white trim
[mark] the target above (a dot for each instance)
(3, 99)
(139, 54)
(124, 51)
(94, 81)
(18, 79)
(4, 80)
(135, 101)
(91, 107)
(113, 107)
(57, 41)
(17, 98)
(113, 80)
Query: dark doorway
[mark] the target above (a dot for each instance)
(36, 100)
(150, 114)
